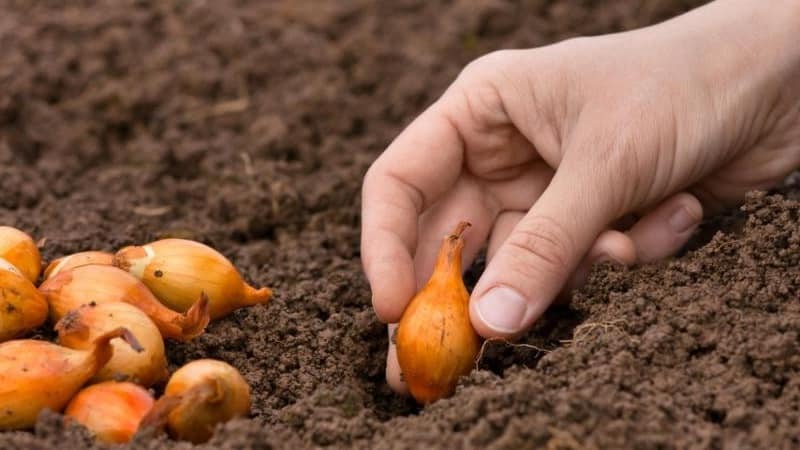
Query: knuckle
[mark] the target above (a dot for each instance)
(541, 245)
(487, 63)
(490, 68)
(369, 178)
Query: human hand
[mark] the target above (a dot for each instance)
(543, 150)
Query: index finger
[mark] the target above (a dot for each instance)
(422, 163)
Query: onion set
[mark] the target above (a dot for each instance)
(80, 327)
(436, 343)
(177, 271)
(35, 375)
(74, 260)
(111, 411)
(100, 284)
(22, 307)
(19, 249)
(198, 396)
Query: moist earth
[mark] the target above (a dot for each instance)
(248, 125)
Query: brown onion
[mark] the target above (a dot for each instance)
(22, 307)
(76, 260)
(81, 326)
(35, 375)
(100, 284)
(177, 271)
(20, 250)
(111, 411)
(199, 396)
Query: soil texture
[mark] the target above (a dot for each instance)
(248, 125)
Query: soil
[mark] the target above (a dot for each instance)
(248, 125)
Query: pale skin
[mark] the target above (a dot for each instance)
(544, 151)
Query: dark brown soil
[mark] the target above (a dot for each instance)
(248, 125)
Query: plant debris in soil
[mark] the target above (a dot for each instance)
(248, 125)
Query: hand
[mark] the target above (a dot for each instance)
(543, 150)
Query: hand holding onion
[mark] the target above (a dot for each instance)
(436, 343)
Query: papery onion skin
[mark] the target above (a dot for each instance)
(76, 260)
(111, 410)
(198, 396)
(22, 307)
(81, 326)
(18, 248)
(99, 284)
(35, 375)
(436, 343)
(177, 271)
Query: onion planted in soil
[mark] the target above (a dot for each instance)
(81, 326)
(101, 284)
(19, 249)
(436, 343)
(199, 396)
(178, 270)
(111, 411)
(22, 307)
(76, 260)
(35, 375)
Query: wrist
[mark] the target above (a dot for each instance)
(744, 37)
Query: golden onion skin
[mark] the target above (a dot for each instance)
(198, 396)
(81, 326)
(436, 344)
(101, 284)
(177, 271)
(22, 307)
(111, 410)
(74, 260)
(18, 248)
(35, 375)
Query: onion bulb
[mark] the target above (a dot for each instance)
(436, 343)
(178, 270)
(76, 260)
(35, 375)
(101, 284)
(22, 307)
(81, 326)
(111, 411)
(19, 249)
(198, 396)
(5, 265)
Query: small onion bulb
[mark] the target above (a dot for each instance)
(20, 250)
(198, 396)
(74, 260)
(177, 271)
(81, 326)
(111, 410)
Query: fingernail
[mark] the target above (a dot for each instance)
(682, 221)
(502, 309)
(605, 257)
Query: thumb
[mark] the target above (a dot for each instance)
(538, 257)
